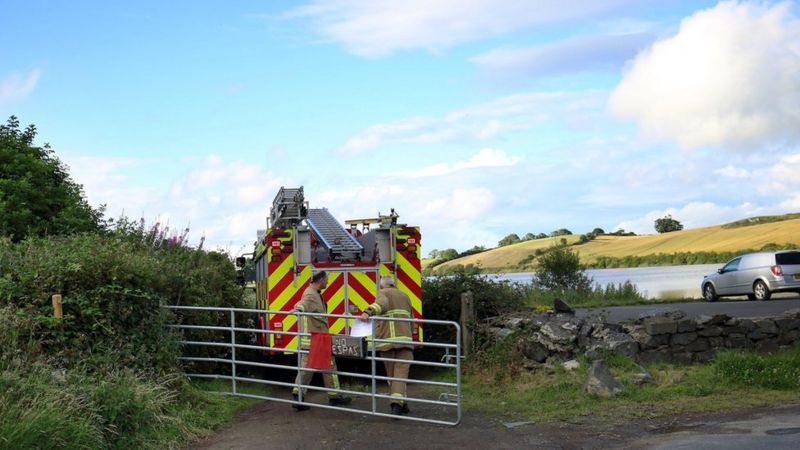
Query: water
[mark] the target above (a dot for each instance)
(654, 282)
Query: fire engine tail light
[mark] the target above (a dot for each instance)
(777, 270)
(278, 337)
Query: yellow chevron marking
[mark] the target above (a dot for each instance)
(275, 277)
(279, 303)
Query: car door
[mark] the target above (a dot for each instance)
(727, 280)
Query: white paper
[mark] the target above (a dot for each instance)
(360, 328)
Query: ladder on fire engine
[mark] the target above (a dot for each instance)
(288, 208)
(340, 243)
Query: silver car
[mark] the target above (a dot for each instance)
(756, 275)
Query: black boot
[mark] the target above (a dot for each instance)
(299, 406)
(397, 410)
(405, 409)
(339, 400)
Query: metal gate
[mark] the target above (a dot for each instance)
(433, 406)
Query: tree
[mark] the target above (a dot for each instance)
(529, 237)
(512, 238)
(667, 224)
(561, 232)
(448, 254)
(433, 254)
(37, 195)
(541, 236)
(598, 231)
(560, 268)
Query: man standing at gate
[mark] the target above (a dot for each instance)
(393, 302)
(312, 302)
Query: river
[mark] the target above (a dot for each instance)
(654, 282)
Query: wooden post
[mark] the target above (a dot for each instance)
(467, 320)
(57, 311)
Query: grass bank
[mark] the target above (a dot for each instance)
(733, 380)
(43, 407)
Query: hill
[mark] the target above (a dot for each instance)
(741, 235)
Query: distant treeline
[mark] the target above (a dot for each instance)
(677, 259)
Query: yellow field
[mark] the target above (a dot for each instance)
(509, 255)
(712, 239)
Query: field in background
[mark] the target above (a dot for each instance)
(719, 238)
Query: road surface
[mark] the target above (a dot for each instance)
(275, 426)
(733, 308)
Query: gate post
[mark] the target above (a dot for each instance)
(233, 351)
(467, 319)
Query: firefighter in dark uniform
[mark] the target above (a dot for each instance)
(393, 302)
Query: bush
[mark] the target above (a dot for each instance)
(441, 296)
(560, 269)
(512, 238)
(113, 286)
(667, 224)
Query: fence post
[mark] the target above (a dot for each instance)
(233, 351)
(57, 310)
(467, 319)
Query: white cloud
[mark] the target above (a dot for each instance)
(380, 27)
(452, 217)
(485, 158)
(729, 77)
(483, 121)
(598, 52)
(732, 172)
(16, 86)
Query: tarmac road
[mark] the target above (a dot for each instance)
(733, 308)
(270, 425)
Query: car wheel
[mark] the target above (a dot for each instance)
(761, 291)
(709, 293)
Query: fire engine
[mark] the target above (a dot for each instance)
(300, 240)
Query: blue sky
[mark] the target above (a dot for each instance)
(472, 119)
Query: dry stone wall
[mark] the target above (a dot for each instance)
(541, 338)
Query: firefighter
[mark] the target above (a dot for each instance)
(312, 302)
(392, 302)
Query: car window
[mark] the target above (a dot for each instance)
(788, 259)
(731, 266)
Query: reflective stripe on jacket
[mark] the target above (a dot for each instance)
(392, 302)
(311, 302)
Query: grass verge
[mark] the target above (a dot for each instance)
(733, 380)
(44, 408)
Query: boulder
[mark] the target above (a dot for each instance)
(766, 326)
(642, 376)
(682, 338)
(571, 365)
(601, 382)
(737, 340)
(560, 306)
(710, 331)
(646, 340)
(533, 350)
(686, 326)
(717, 319)
(698, 345)
(616, 342)
(500, 333)
(660, 325)
(788, 324)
